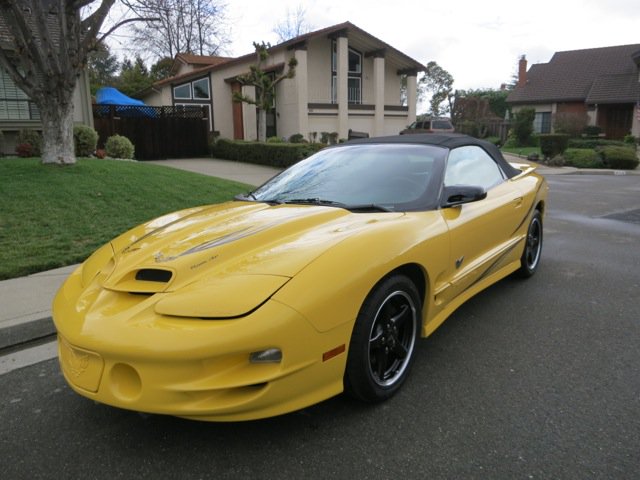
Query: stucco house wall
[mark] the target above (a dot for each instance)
(308, 103)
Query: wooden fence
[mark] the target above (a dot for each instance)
(485, 127)
(156, 132)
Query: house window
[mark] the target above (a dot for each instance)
(182, 92)
(14, 103)
(201, 89)
(542, 122)
(196, 90)
(354, 82)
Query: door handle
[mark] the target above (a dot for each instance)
(518, 202)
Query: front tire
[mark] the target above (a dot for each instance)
(530, 259)
(383, 340)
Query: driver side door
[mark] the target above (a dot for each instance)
(482, 233)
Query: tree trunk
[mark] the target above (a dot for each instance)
(57, 132)
(262, 125)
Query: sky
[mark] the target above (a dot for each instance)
(477, 42)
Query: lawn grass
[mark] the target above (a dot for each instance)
(52, 216)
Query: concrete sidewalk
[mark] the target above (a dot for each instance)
(25, 312)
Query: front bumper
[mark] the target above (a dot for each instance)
(114, 348)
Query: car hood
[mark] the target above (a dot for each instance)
(228, 244)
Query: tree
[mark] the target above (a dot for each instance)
(44, 53)
(102, 67)
(480, 104)
(265, 84)
(161, 69)
(439, 83)
(523, 126)
(184, 26)
(134, 77)
(293, 25)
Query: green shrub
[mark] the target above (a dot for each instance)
(32, 138)
(279, 155)
(630, 139)
(118, 146)
(582, 158)
(296, 138)
(592, 130)
(85, 139)
(553, 144)
(523, 126)
(494, 140)
(623, 158)
(324, 138)
(275, 140)
(592, 143)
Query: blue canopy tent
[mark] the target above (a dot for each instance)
(125, 106)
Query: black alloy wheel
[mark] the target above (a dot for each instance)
(530, 259)
(383, 341)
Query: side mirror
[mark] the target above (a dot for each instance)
(460, 194)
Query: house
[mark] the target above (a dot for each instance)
(18, 112)
(346, 79)
(601, 84)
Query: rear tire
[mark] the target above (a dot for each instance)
(530, 259)
(383, 340)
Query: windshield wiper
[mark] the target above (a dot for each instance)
(331, 203)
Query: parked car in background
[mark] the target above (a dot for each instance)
(429, 125)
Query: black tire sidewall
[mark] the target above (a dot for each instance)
(525, 271)
(358, 379)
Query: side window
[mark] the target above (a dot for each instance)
(471, 165)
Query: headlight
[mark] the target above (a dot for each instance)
(270, 355)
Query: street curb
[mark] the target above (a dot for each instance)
(26, 332)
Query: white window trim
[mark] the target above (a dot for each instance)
(190, 97)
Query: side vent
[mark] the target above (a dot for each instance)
(154, 275)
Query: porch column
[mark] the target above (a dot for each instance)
(342, 78)
(412, 96)
(378, 89)
(249, 114)
(302, 90)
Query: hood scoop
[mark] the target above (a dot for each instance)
(144, 280)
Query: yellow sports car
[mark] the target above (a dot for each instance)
(317, 282)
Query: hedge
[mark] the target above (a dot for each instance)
(623, 158)
(279, 155)
(593, 143)
(582, 158)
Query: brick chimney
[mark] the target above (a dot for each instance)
(522, 71)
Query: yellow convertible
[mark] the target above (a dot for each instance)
(319, 281)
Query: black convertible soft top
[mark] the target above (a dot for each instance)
(447, 140)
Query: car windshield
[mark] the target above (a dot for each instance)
(391, 177)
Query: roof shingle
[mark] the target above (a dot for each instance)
(596, 75)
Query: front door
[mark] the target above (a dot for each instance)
(238, 127)
(615, 120)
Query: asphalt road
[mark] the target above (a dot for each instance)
(533, 379)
